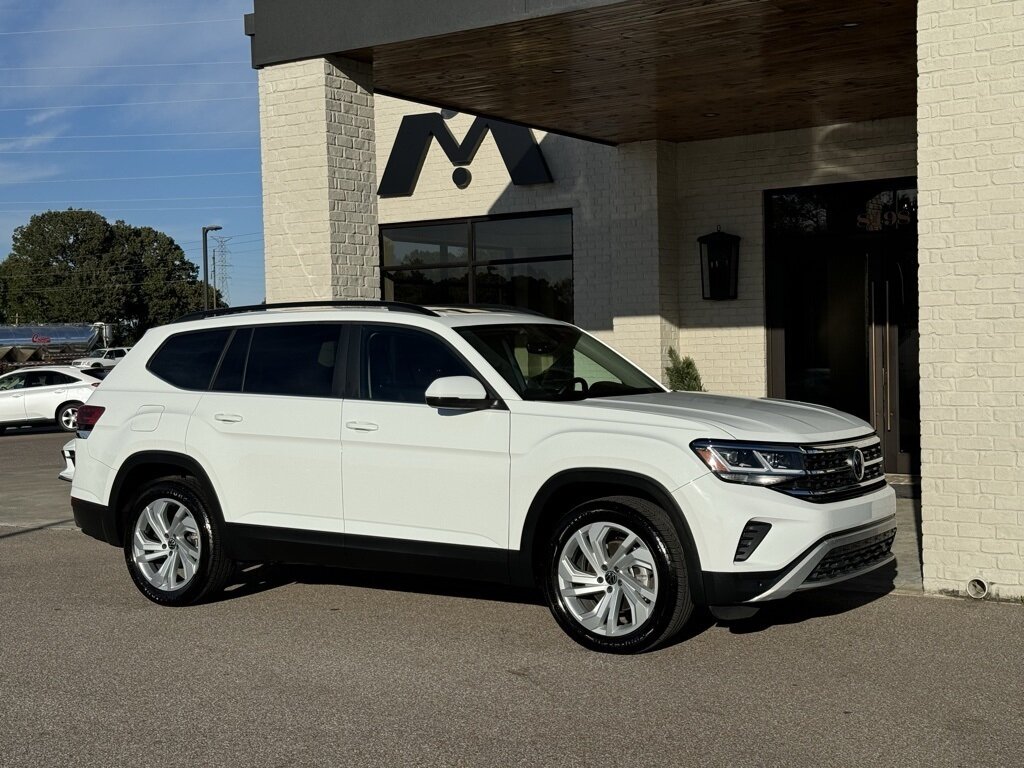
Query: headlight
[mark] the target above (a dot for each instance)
(750, 463)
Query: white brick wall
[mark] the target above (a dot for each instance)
(319, 199)
(971, 252)
(722, 182)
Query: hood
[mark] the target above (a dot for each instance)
(744, 418)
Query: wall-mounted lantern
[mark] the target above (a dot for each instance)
(719, 265)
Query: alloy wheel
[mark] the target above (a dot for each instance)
(607, 579)
(166, 545)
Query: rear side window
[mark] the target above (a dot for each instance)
(293, 360)
(188, 360)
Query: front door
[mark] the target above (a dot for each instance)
(841, 282)
(411, 471)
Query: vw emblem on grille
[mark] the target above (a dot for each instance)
(857, 464)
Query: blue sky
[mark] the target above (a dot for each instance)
(62, 62)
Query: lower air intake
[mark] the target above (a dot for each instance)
(850, 558)
(753, 534)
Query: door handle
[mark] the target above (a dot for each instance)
(361, 426)
(227, 418)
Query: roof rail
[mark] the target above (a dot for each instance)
(394, 306)
(490, 308)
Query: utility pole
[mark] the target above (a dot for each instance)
(206, 268)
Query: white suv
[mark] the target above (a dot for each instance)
(486, 444)
(107, 357)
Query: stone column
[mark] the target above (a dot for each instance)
(971, 253)
(319, 180)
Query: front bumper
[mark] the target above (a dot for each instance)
(835, 558)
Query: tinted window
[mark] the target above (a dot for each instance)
(232, 367)
(14, 381)
(188, 359)
(401, 365)
(292, 360)
(38, 379)
(55, 377)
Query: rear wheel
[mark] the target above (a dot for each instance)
(616, 576)
(67, 416)
(173, 543)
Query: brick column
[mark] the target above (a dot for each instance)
(319, 180)
(971, 252)
(627, 241)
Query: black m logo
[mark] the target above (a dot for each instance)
(520, 152)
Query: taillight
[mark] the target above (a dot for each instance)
(88, 415)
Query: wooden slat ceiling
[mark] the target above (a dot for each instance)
(675, 70)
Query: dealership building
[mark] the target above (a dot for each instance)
(815, 201)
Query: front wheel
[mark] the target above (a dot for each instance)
(173, 544)
(616, 577)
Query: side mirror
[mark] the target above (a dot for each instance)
(462, 392)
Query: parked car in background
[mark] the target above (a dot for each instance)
(106, 357)
(50, 394)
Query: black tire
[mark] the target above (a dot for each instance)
(64, 423)
(673, 605)
(213, 568)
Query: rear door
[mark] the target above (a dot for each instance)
(412, 471)
(271, 426)
(43, 393)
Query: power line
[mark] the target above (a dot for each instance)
(123, 210)
(133, 178)
(125, 66)
(123, 200)
(119, 26)
(135, 85)
(111, 151)
(122, 104)
(51, 137)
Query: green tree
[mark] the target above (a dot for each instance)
(682, 373)
(75, 267)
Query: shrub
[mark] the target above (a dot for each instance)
(682, 373)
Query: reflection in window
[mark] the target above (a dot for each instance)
(425, 246)
(523, 261)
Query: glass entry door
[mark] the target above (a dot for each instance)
(841, 281)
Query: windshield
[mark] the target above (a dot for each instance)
(556, 362)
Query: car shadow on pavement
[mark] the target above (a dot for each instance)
(6, 534)
(818, 603)
(253, 578)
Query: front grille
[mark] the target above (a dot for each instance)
(831, 471)
(850, 558)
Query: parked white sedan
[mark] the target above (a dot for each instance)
(44, 395)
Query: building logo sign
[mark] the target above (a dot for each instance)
(518, 149)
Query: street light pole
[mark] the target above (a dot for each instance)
(206, 268)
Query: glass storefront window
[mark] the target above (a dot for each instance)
(425, 246)
(521, 261)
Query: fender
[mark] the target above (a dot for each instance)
(178, 460)
(521, 567)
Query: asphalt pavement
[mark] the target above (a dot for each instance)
(319, 667)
